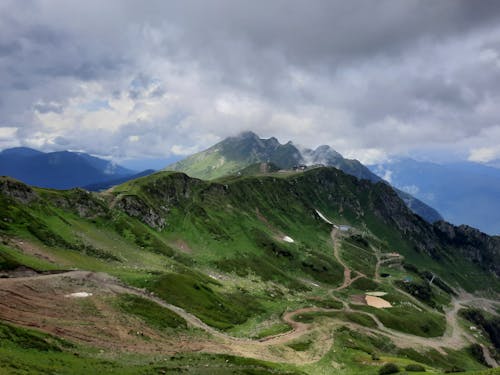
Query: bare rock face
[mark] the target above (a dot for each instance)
(475, 245)
(17, 190)
(85, 203)
(134, 207)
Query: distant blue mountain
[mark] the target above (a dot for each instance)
(464, 192)
(58, 170)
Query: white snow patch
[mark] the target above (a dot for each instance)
(79, 295)
(376, 294)
(323, 217)
(288, 239)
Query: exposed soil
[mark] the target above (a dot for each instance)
(377, 302)
(39, 301)
(32, 249)
(182, 246)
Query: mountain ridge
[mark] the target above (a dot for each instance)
(59, 170)
(236, 153)
(465, 192)
(249, 260)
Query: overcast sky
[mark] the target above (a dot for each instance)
(135, 79)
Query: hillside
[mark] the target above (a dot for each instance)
(242, 275)
(465, 193)
(58, 170)
(234, 154)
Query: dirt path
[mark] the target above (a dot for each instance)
(455, 336)
(348, 279)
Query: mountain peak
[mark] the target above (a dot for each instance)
(247, 134)
(21, 152)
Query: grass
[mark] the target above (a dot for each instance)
(300, 346)
(260, 275)
(197, 294)
(28, 352)
(150, 312)
(359, 257)
(11, 259)
(358, 318)
(273, 330)
(409, 320)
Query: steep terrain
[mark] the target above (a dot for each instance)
(261, 273)
(234, 154)
(465, 193)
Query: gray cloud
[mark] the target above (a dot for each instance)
(370, 78)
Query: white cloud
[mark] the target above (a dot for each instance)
(387, 79)
(484, 154)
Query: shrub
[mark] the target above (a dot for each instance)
(454, 369)
(388, 368)
(415, 368)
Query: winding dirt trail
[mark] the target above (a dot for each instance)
(455, 336)
(348, 279)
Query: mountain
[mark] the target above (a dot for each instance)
(465, 192)
(326, 155)
(234, 154)
(58, 170)
(272, 273)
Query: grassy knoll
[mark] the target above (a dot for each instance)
(150, 312)
(409, 320)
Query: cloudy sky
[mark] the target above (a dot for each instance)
(138, 79)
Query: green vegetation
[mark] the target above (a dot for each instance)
(388, 368)
(152, 314)
(192, 292)
(488, 323)
(273, 330)
(358, 318)
(415, 368)
(300, 346)
(217, 250)
(10, 259)
(27, 352)
(365, 284)
(408, 319)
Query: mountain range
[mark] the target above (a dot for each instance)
(260, 272)
(235, 153)
(58, 170)
(463, 192)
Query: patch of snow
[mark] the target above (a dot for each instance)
(323, 217)
(79, 295)
(314, 284)
(288, 239)
(376, 294)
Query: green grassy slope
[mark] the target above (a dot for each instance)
(218, 250)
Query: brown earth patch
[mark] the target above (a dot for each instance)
(40, 302)
(182, 246)
(358, 299)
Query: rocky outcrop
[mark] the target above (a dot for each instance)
(473, 244)
(83, 202)
(17, 190)
(134, 207)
